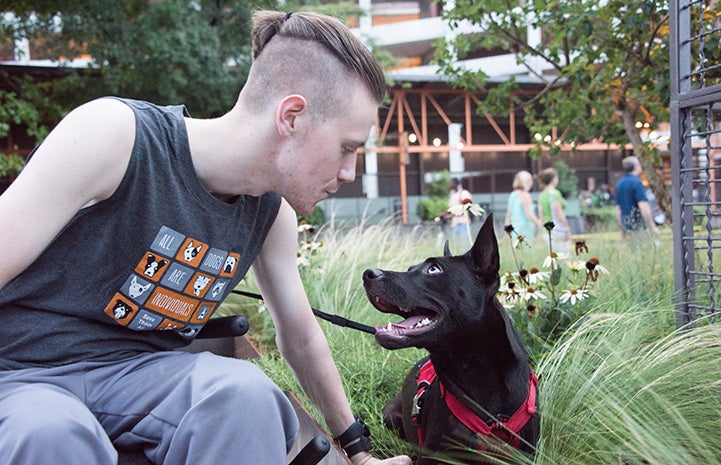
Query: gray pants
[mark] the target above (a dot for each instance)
(180, 408)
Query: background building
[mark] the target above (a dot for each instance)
(430, 126)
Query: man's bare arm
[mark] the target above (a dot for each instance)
(80, 163)
(647, 215)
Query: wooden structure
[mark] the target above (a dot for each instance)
(420, 122)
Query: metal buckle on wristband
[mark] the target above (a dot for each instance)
(358, 430)
(362, 445)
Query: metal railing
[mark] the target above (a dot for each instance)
(695, 108)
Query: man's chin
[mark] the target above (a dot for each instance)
(305, 211)
(302, 209)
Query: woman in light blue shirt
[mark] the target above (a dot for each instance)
(520, 207)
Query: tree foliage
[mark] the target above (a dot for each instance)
(608, 62)
(195, 52)
(169, 52)
(175, 51)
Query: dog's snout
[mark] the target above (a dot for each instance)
(372, 273)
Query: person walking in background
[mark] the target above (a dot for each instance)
(519, 213)
(551, 207)
(458, 223)
(632, 204)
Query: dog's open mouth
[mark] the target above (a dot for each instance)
(416, 320)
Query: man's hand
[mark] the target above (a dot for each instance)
(364, 458)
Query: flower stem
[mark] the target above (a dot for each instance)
(553, 269)
(468, 227)
(513, 252)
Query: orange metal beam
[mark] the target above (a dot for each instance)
(410, 115)
(389, 117)
(493, 123)
(512, 123)
(402, 165)
(440, 111)
(469, 126)
(496, 148)
(424, 119)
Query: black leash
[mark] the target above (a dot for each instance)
(335, 319)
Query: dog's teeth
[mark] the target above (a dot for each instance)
(424, 322)
(389, 327)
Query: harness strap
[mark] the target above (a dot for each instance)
(505, 430)
(426, 376)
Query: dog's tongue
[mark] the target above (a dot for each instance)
(408, 323)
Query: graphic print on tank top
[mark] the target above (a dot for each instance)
(176, 285)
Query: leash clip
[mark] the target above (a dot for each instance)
(418, 401)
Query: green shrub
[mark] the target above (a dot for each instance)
(11, 165)
(567, 179)
(431, 207)
(436, 201)
(600, 218)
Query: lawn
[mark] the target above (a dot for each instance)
(619, 385)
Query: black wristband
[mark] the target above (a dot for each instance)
(357, 430)
(362, 445)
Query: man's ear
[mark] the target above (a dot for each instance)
(286, 118)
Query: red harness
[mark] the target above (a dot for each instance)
(505, 430)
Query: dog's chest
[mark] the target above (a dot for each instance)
(435, 424)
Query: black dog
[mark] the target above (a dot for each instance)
(484, 391)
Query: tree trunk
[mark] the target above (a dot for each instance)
(651, 163)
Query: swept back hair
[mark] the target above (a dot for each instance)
(289, 38)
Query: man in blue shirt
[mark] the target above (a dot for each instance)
(634, 212)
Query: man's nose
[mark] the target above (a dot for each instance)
(346, 173)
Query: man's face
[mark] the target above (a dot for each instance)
(325, 154)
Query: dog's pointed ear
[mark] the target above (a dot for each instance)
(447, 249)
(484, 255)
(484, 252)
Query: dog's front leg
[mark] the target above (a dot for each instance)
(393, 415)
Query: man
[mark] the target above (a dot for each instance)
(129, 226)
(633, 210)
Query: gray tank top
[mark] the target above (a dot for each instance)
(141, 271)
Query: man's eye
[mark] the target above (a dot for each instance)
(434, 269)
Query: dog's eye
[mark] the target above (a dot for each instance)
(434, 269)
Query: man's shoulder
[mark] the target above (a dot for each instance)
(99, 124)
(142, 107)
(627, 180)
